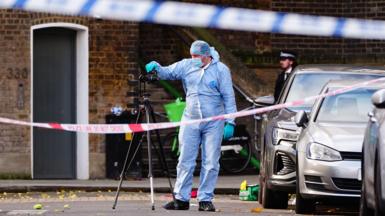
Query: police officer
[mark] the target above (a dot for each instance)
(287, 61)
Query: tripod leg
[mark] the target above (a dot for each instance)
(125, 164)
(150, 159)
(161, 153)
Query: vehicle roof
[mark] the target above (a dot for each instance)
(325, 68)
(345, 83)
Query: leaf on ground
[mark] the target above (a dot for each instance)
(38, 206)
(257, 210)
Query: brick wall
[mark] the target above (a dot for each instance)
(371, 9)
(113, 62)
(262, 48)
(113, 48)
(332, 50)
(14, 61)
(159, 42)
(308, 45)
(249, 42)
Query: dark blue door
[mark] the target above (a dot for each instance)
(54, 100)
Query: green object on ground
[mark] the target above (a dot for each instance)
(175, 110)
(250, 194)
(253, 161)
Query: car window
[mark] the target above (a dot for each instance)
(310, 84)
(351, 106)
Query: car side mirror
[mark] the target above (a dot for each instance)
(301, 119)
(265, 101)
(378, 99)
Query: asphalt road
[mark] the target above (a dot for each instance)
(137, 204)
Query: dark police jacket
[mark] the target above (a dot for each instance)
(279, 82)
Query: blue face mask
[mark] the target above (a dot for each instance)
(197, 62)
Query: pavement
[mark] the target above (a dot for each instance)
(225, 185)
(96, 197)
(100, 203)
(137, 204)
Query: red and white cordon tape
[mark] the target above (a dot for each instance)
(129, 128)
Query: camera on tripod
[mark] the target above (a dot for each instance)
(143, 108)
(150, 77)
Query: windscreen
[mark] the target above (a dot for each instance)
(351, 106)
(306, 85)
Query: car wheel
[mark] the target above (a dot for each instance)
(364, 210)
(260, 194)
(380, 207)
(302, 206)
(261, 173)
(273, 199)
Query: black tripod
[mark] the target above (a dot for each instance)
(146, 108)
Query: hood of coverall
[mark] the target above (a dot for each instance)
(214, 55)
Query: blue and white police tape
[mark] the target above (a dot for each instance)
(189, 14)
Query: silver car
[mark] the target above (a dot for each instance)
(373, 161)
(278, 136)
(329, 148)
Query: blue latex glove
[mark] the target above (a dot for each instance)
(151, 66)
(228, 131)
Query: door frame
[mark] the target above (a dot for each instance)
(82, 53)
